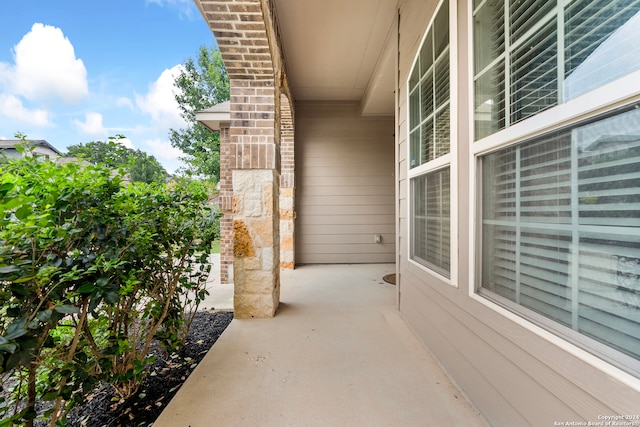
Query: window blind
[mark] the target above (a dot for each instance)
(429, 103)
(551, 54)
(534, 75)
(561, 227)
(527, 14)
(431, 220)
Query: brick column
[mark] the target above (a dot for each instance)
(247, 33)
(255, 162)
(226, 221)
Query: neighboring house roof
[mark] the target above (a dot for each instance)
(609, 141)
(12, 143)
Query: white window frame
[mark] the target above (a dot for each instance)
(610, 96)
(447, 160)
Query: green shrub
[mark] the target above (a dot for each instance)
(91, 271)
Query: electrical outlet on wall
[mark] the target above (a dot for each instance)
(377, 238)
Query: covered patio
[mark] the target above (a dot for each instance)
(369, 143)
(337, 354)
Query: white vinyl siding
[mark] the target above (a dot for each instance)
(344, 185)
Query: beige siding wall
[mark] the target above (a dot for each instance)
(344, 185)
(514, 373)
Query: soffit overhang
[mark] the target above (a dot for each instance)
(333, 50)
(338, 50)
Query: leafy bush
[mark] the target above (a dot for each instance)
(91, 271)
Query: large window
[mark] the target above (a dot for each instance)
(429, 135)
(561, 227)
(560, 211)
(533, 54)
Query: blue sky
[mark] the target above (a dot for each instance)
(74, 71)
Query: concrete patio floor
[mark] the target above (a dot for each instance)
(337, 354)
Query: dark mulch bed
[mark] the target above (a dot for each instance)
(167, 374)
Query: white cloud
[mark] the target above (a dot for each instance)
(126, 142)
(12, 107)
(125, 102)
(5, 75)
(160, 102)
(45, 67)
(163, 150)
(92, 125)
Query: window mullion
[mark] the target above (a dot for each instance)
(441, 217)
(433, 96)
(574, 272)
(507, 65)
(518, 226)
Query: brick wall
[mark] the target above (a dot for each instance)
(226, 196)
(253, 125)
(241, 33)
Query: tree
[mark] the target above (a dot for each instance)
(140, 166)
(201, 85)
(145, 168)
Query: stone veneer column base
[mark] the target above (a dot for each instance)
(256, 268)
(287, 221)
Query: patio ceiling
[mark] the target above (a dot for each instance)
(339, 50)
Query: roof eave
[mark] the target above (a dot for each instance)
(216, 117)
